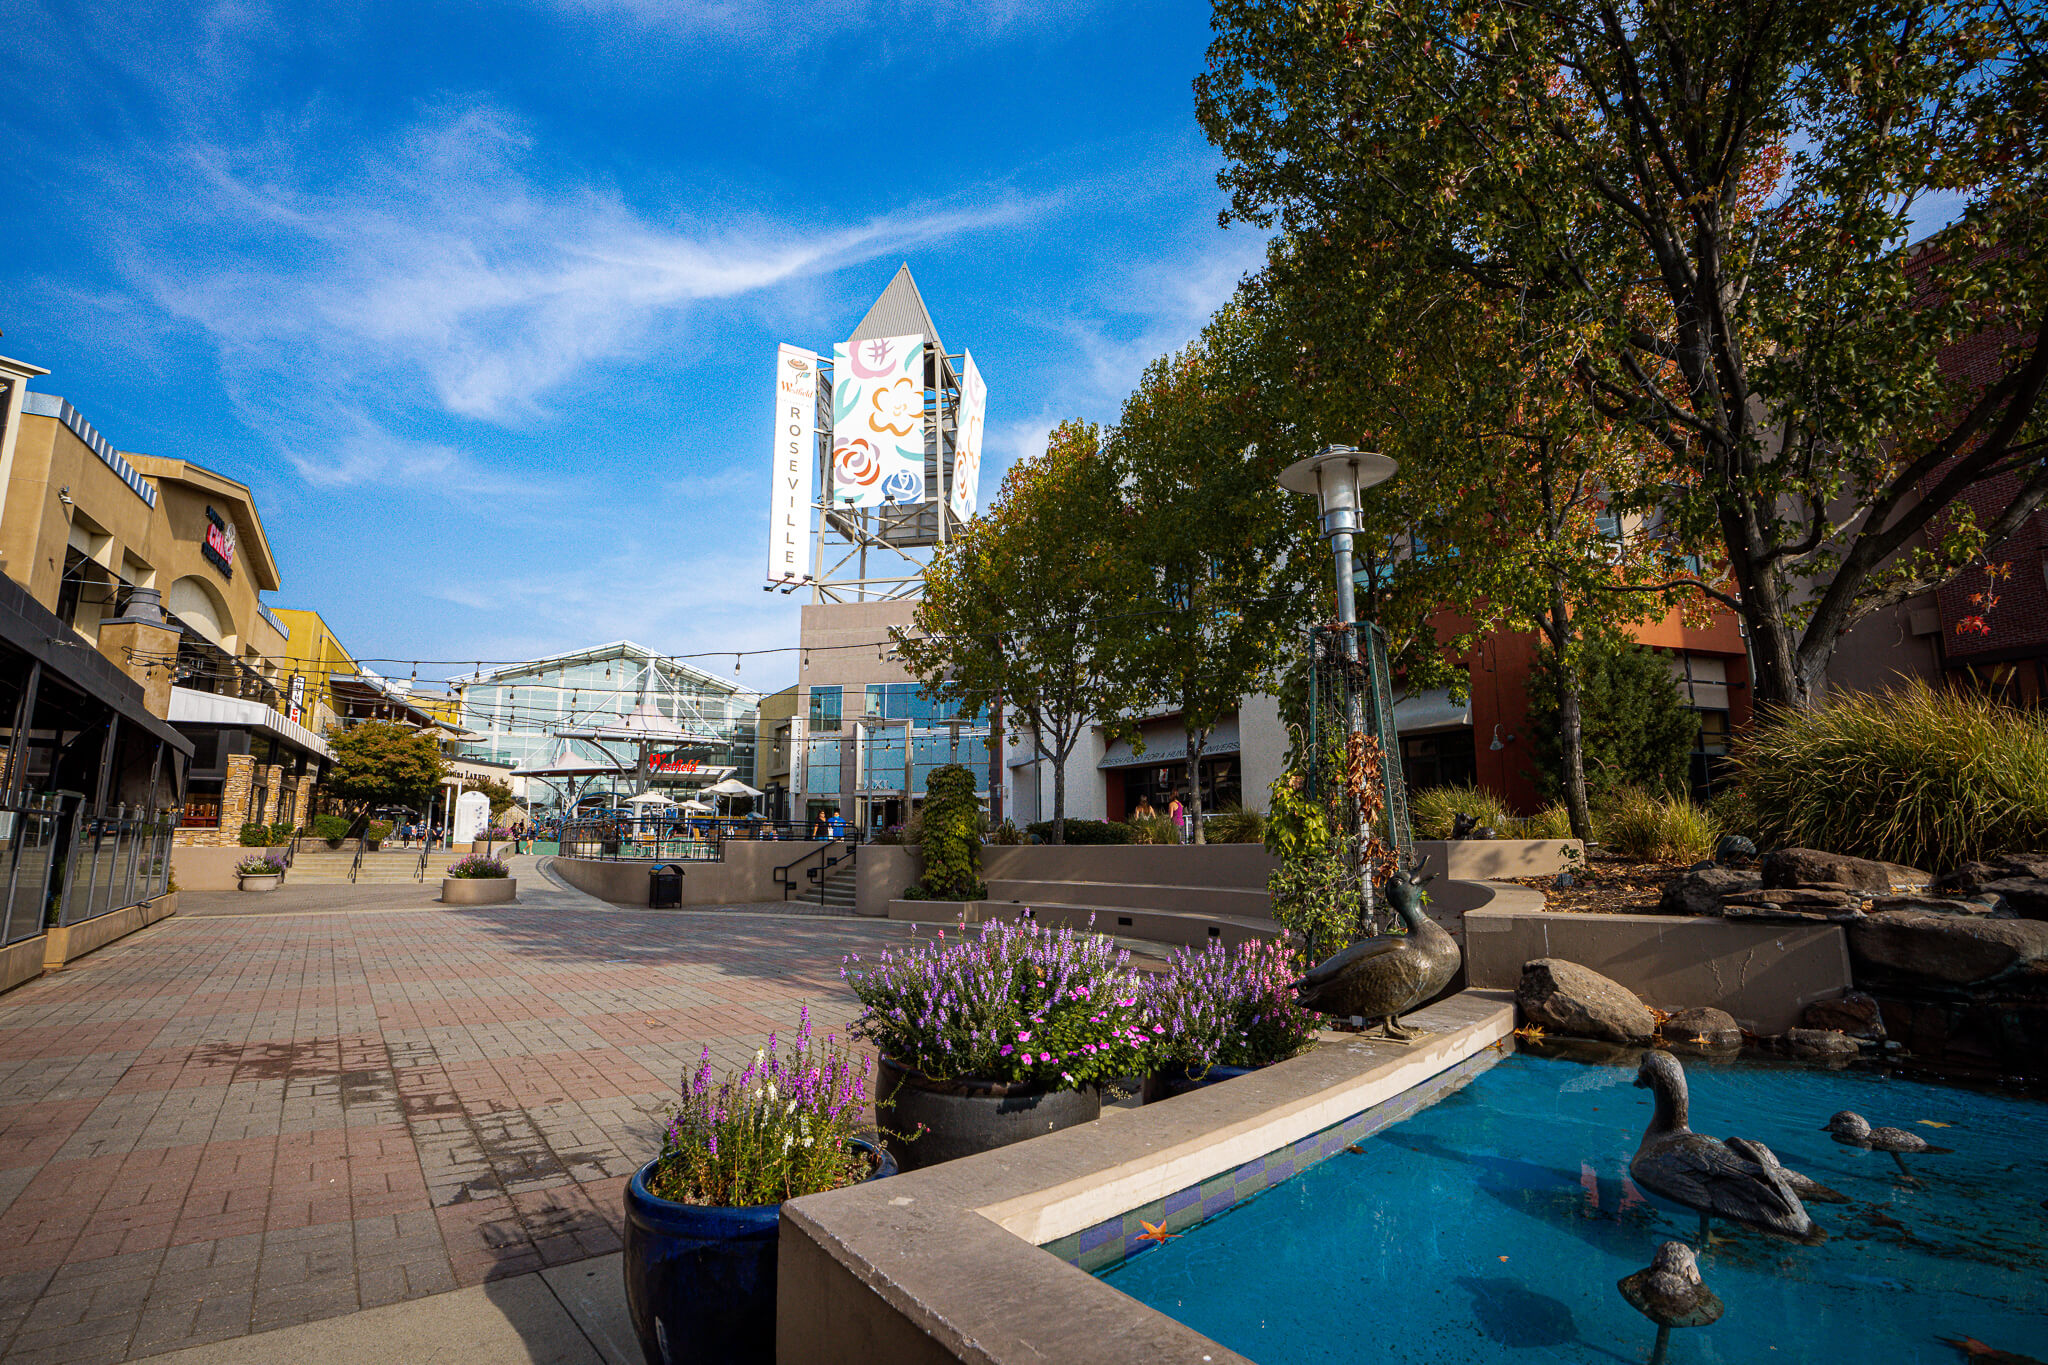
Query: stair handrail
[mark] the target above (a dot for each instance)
(852, 858)
(419, 873)
(786, 882)
(356, 865)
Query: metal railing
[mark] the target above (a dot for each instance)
(28, 830)
(419, 872)
(356, 863)
(699, 840)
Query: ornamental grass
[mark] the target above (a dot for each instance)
(1018, 1003)
(1433, 809)
(1918, 776)
(1223, 1008)
(780, 1129)
(1656, 827)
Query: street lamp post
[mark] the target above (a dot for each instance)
(1337, 476)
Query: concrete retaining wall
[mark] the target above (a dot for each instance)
(21, 962)
(746, 875)
(1763, 974)
(75, 941)
(1479, 860)
(198, 868)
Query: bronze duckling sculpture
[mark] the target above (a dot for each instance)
(1384, 977)
(1669, 1292)
(1853, 1130)
(1705, 1175)
(1809, 1191)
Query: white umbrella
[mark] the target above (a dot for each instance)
(732, 786)
(698, 807)
(652, 799)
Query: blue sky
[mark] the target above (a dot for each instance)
(482, 300)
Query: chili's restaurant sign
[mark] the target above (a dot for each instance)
(219, 547)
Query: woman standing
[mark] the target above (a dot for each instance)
(1178, 813)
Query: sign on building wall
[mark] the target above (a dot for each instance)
(219, 546)
(298, 699)
(878, 422)
(965, 495)
(796, 440)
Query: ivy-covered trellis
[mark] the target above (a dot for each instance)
(1354, 751)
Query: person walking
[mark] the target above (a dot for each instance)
(819, 827)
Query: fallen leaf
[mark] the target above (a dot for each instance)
(1503, 1258)
(1936, 1123)
(1155, 1232)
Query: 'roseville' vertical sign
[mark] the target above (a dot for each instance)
(796, 442)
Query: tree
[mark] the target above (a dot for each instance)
(1220, 586)
(1719, 196)
(377, 763)
(1015, 607)
(1638, 730)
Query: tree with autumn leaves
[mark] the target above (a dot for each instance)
(1715, 200)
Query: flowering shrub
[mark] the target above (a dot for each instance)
(1015, 1002)
(496, 832)
(1221, 1008)
(780, 1129)
(477, 865)
(269, 865)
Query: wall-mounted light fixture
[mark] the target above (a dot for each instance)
(64, 496)
(1499, 743)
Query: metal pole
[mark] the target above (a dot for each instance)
(1354, 718)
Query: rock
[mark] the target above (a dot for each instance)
(1967, 878)
(1853, 1013)
(2026, 897)
(1703, 1025)
(1800, 897)
(2024, 864)
(1778, 914)
(1953, 950)
(1787, 867)
(1699, 892)
(1814, 1042)
(1564, 997)
(1734, 851)
(1702, 865)
(1932, 905)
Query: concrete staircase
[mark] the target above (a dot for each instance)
(327, 868)
(836, 888)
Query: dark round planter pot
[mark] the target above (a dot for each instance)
(961, 1118)
(700, 1279)
(1178, 1078)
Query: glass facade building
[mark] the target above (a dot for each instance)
(520, 708)
(855, 740)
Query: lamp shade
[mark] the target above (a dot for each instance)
(1337, 476)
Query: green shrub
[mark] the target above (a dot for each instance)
(332, 828)
(1318, 899)
(1927, 778)
(1082, 831)
(477, 867)
(1644, 825)
(1235, 824)
(1552, 822)
(376, 832)
(951, 836)
(1636, 727)
(1432, 810)
(1153, 829)
(255, 836)
(282, 834)
(1006, 834)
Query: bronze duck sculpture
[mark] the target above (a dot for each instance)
(1384, 977)
(1703, 1174)
(1853, 1130)
(1669, 1292)
(1809, 1191)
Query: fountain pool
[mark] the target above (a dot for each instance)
(1492, 1226)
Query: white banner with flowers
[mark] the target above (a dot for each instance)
(878, 422)
(964, 496)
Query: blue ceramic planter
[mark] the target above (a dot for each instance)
(700, 1279)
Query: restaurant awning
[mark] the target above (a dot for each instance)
(1168, 743)
(189, 707)
(1416, 712)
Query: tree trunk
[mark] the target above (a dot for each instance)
(1570, 718)
(1196, 739)
(1776, 679)
(1059, 799)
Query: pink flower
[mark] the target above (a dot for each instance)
(1005, 1051)
(1023, 1037)
(1045, 1056)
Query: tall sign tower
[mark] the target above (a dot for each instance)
(877, 455)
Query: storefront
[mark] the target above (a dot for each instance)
(1156, 771)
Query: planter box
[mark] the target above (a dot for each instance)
(700, 1280)
(266, 882)
(962, 1118)
(479, 890)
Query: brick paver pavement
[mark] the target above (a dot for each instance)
(231, 1123)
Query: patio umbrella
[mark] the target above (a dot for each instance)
(732, 786)
(696, 807)
(652, 799)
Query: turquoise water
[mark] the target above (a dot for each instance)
(1493, 1225)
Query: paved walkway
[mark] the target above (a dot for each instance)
(271, 1110)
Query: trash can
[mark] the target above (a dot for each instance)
(665, 887)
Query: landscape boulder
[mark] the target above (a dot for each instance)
(1932, 905)
(1796, 905)
(1733, 850)
(1853, 1013)
(1790, 867)
(1703, 1026)
(1700, 892)
(1951, 950)
(1814, 1042)
(2026, 897)
(1563, 997)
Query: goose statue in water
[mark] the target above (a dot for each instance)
(1383, 978)
(1809, 1191)
(1669, 1292)
(1853, 1130)
(1704, 1174)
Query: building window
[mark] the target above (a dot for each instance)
(1445, 758)
(1222, 784)
(202, 809)
(825, 704)
(821, 767)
